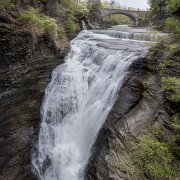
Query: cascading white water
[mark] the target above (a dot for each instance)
(84, 25)
(77, 101)
(135, 34)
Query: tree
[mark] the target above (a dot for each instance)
(112, 4)
(94, 4)
(154, 6)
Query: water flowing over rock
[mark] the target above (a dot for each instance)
(78, 100)
(84, 25)
(145, 34)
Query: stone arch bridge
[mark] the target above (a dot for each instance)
(135, 16)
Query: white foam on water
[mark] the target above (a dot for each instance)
(77, 101)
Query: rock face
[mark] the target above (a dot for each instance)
(25, 69)
(139, 104)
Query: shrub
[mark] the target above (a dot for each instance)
(167, 63)
(176, 121)
(153, 157)
(71, 5)
(171, 86)
(43, 23)
(157, 132)
(5, 4)
(175, 144)
(173, 25)
(8, 3)
(71, 25)
(173, 5)
(174, 48)
(154, 8)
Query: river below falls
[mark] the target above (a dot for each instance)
(80, 96)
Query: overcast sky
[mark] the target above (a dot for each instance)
(142, 4)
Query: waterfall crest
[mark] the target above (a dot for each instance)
(139, 34)
(77, 101)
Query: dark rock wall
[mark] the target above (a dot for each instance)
(26, 63)
(140, 104)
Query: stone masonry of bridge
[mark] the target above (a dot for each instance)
(135, 16)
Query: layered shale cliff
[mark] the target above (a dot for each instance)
(141, 124)
(145, 106)
(27, 60)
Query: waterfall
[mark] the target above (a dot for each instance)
(84, 25)
(142, 36)
(77, 101)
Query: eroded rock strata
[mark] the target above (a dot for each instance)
(140, 105)
(26, 64)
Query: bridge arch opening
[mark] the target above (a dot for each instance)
(117, 19)
(135, 16)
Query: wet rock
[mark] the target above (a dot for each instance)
(25, 69)
(139, 105)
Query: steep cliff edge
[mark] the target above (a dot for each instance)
(147, 106)
(141, 136)
(141, 115)
(27, 60)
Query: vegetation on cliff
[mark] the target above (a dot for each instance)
(171, 86)
(153, 157)
(154, 153)
(41, 23)
(54, 19)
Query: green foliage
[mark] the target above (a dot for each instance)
(175, 148)
(70, 5)
(154, 7)
(5, 4)
(119, 19)
(173, 5)
(124, 163)
(42, 23)
(96, 3)
(153, 157)
(176, 121)
(174, 48)
(93, 4)
(176, 126)
(157, 131)
(71, 25)
(173, 25)
(167, 63)
(171, 86)
(9, 3)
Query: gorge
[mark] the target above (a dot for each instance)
(95, 104)
(80, 96)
